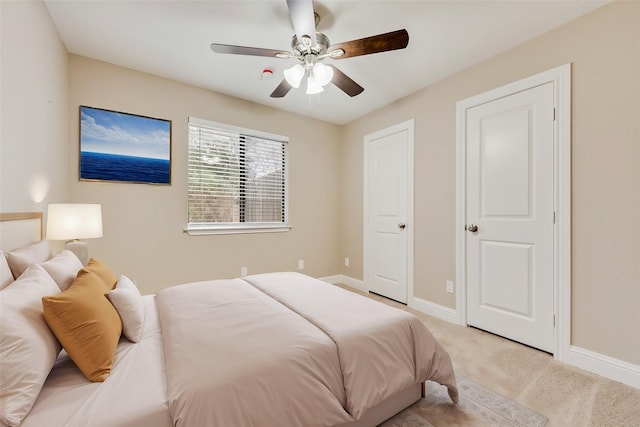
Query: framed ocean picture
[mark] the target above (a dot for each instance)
(124, 147)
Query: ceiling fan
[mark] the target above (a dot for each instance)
(310, 48)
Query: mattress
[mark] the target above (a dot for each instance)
(134, 395)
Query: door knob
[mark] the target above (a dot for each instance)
(402, 225)
(472, 228)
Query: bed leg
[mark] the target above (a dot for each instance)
(424, 390)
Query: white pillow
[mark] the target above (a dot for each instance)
(28, 348)
(6, 277)
(127, 300)
(22, 258)
(63, 268)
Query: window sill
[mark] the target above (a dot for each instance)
(234, 229)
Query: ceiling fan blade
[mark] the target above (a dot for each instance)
(243, 50)
(345, 83)
(282, 89)
(375, 44)
(304, 23)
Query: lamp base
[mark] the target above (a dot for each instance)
(80, 249)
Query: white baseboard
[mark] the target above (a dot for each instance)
(600, 364)
(419, 304)
(346, 280)
(432, 309)
(332, 279)
(606, 366)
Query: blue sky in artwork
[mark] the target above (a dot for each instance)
(124, 134)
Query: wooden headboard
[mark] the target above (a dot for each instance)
(19, 229)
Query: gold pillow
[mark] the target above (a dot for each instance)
(86, 324)
(103, 271)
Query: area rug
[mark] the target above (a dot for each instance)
(478, 406)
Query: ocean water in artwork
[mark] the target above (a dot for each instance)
(114, 167)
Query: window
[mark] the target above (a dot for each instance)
(237, 179)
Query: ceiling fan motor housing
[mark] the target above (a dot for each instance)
(303, 47)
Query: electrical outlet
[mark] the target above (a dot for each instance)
(347, 262)
(243, 271)
(300, 264)
(450, 287)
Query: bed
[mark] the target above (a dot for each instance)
(271, 349)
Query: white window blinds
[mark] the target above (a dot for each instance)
(235, 176)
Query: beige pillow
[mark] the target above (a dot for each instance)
(22, 258)
(63, 268)
(86, 324)
(103, 271)
(128, 302)
(6, 277)
(28, 349)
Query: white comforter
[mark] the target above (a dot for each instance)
(288, 350)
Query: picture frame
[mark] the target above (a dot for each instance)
(124, 147)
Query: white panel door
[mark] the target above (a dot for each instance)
(388, 179)
(510, 216)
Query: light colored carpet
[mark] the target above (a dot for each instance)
(478, 406)
(566, 396)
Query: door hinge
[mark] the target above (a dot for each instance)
(554, 114)
(554, 217)
(554, 320)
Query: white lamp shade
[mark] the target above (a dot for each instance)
(294, 75)
(68, 221)
(322, 74)
(313, 86)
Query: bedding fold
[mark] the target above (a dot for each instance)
(381, 349)
(236, 357)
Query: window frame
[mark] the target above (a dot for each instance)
(240, 227)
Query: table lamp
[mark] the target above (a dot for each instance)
(74, 221)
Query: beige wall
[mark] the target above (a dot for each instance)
(33, 114)
(604, 48)
(143, 224)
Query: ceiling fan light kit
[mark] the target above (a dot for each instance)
(313, 86)
(311, 47)
(322, 74)
(294, 75)
(318, 76)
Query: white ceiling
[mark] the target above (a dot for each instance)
(171, 39)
